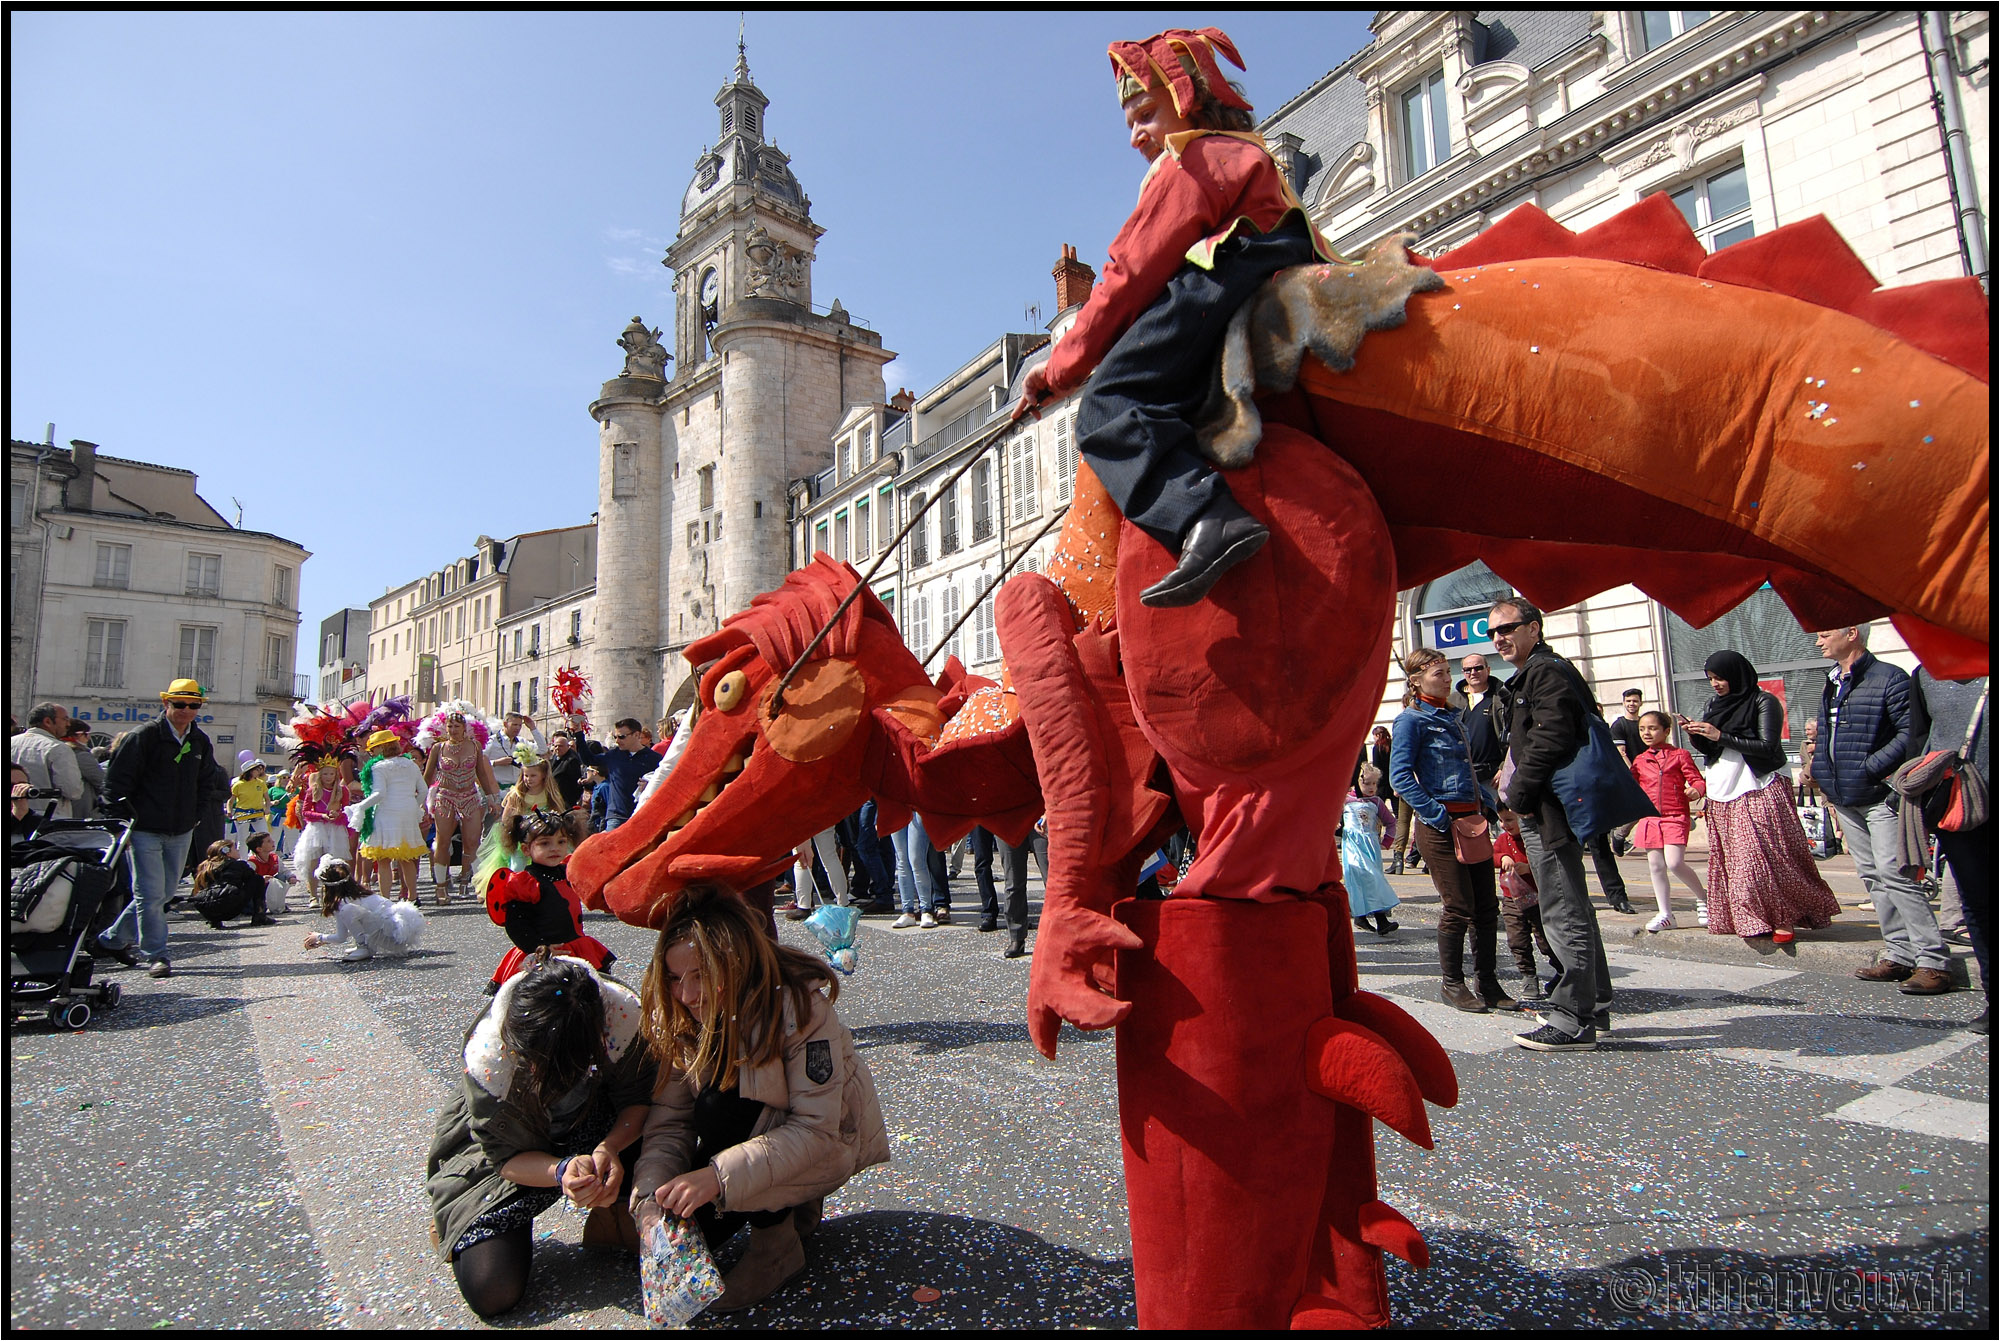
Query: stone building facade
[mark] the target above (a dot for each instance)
(1749, 119)
(343, 657)
(122, 579)
(696, 459)
(540, 640)
(445, 635)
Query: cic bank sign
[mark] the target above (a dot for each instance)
(1458, 633)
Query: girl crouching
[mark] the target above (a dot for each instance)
(374, 925)
(764, 1106)
(552, 1097)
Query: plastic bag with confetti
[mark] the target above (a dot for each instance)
(677, 1276)
(833, 927)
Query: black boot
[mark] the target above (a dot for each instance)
(1384, 924)
(1483, 973)
(1222, 537)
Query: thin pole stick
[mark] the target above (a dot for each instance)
(1007, 568)
(972, 456)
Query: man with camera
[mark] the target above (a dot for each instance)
(44, 750)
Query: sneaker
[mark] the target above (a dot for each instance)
(928, 920)
(1701, 914)
(1664, 922)
(906, 920)
(1548, 1038)
(357, 954)
(943, 916)
(160, 968)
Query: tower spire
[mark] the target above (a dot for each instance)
(742, 56)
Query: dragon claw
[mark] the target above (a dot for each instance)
(1356, 1066)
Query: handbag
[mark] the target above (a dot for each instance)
(1471, 840)
(1596, 788)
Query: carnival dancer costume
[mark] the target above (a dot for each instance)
(456, 792)
(390, 816)
(369, 924)
(249, 799)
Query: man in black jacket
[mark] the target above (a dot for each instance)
(1548, 699)
(161, 778)
(565, 768)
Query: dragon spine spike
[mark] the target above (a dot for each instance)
(1353, 1065)
(1385, 1227)
(1426, 1057)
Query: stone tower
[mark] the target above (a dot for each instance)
(693, 471)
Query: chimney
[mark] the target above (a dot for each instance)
(1073, 280)
(78, 492)
(902, 400)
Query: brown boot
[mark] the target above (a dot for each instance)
(611, 1227)
(1884, 970)
(1927, 982)
(1495, 996)
(774, 1256)
(1463, 997)
(806, 1217)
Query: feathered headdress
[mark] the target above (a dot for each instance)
(316, 735)
(1182, 60)
(393, 715)
(569, 691)
(433, 728)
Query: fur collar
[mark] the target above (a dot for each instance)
(492, 1069)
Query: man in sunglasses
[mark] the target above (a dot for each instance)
(1548, 698)
(162, 777)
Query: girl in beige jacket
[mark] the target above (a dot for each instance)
(764, 1106)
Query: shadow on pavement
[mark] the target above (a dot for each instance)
(864, 1271)
(1477, 1281)
(936, 1036)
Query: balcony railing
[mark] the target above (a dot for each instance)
(275, 683)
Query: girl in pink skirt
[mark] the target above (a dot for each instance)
(1761, 876)
(1666, 773)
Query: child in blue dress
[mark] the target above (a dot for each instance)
(1362, 820)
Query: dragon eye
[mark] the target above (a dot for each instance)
(729, 691)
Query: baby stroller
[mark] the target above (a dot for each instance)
(58, 880)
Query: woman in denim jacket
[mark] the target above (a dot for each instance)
(1430, 766)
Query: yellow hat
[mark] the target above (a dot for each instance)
(183, 691)
(382, 738)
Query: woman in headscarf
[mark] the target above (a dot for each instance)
(1761, 876)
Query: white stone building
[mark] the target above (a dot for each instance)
(122, 579)
(343, 657)
(694, 469)
(445, 635)
(540, 640)
(1749, 119)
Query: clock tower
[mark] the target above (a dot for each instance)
(760, 382)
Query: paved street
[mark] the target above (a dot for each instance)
(1756, 1144)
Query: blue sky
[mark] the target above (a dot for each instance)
(364, 272)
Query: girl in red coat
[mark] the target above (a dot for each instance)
(1215, 219)
(1667, 774)
(537, 905)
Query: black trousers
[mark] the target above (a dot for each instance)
(723, 1118)
(1135, 425)
(1014, 867)
(1971, 857)
(1608, 874)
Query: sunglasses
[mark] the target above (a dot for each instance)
(1502, 630)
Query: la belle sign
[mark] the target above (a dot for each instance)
(133, 710)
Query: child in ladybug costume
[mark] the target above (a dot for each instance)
(536, 904)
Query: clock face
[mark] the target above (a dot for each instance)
(710, 285)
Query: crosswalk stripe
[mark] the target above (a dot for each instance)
(1924, 1114)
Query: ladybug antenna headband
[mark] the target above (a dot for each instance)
(1182, 61)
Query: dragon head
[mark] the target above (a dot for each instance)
(758, 777)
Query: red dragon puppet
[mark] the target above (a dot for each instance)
(1536, 399)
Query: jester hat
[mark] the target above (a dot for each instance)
(1181, 60)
